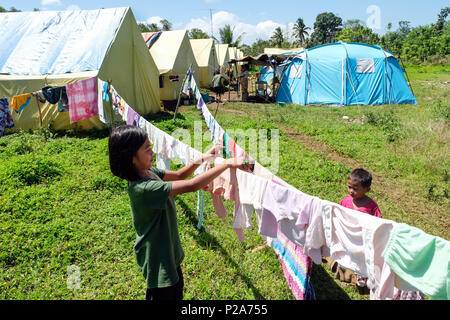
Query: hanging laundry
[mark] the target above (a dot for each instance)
(187, 87)
(251, 192)
(123, 110)
(19, 102)
(142, 123)
(103, 95)
(232, 146)
(356, 241)
(291, 210)
(226, 185)
(115, 100)
(162, 162)
(297, 266)
(105, 91)
(226, 146)
(262, 172)
(420, 259)
(83, 98)
(54, 94)
(133, 117)
(6, 120)
(200, 103)
(218, 134)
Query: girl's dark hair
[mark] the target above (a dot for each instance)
(124, 142)
(362, 176)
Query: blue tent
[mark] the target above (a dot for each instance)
(345, 74)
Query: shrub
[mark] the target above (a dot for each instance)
(29, 170)
(388, 122)
(441, 110)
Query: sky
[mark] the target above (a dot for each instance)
(254, 19)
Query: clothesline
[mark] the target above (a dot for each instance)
(390, 254)
(296, 265)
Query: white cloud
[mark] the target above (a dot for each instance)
(263, 29)
(50, 3)
(73, 7)
(155, 19)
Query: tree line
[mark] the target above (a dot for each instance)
(429, 43)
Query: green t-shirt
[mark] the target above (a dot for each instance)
(158, 248)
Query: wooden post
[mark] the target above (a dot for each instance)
(181, 90)
(40, 114)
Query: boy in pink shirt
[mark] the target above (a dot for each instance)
(359, 182)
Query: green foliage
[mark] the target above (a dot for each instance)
(442, 110)
(197, 34)
(301, 31)
(228, 36)
(277, 38)
(29, 170)
(258, 47)
(355, 31)
(388, 122)
(326, 26)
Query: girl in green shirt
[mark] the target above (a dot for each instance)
(157, 248)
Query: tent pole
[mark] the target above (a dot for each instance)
(179, 95)
(406, 73)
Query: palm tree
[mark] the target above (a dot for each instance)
(227, 36)
(277, 38)
(301, 31)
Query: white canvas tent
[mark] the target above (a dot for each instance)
(205, 55)
(172, 53)
(222, 55)
(281, 51)
(54, 48)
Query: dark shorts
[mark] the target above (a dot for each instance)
(174, 292)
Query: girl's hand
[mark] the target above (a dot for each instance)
(240, 163)
(214, 152)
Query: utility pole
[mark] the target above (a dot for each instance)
(212, 31)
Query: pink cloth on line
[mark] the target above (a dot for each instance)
(226, 185)
(83, 99)
(232, 146)
(370, 208)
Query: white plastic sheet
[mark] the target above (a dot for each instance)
(56, 42)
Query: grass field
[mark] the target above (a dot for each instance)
(60, 205)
